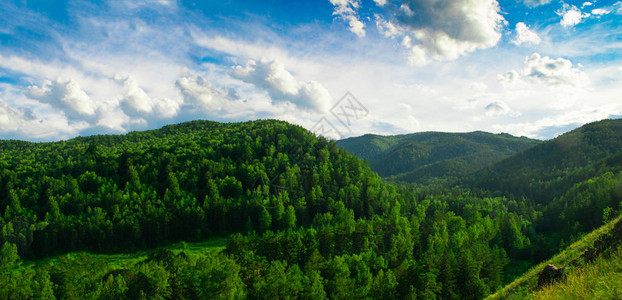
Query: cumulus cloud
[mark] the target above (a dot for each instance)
(64, 95)
(525, 35)
(440, 30)
(136, 101)
(282, 86)
(535, 3)
(134, 97)
(347, 11)
(198, 91)
(558, 71)
(547, 71)
(20, 122)
(111, 119)
(497, 108)
(571, 15)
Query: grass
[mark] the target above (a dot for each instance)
(523, 286)
(126, 260)
(600, 280)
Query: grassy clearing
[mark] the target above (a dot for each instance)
(126, 260)
(522, 287)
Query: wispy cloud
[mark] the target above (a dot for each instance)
(347, 11)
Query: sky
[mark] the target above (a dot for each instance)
(339, 68)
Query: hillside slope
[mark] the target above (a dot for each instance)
(419, 157)
(590, 267)
(550, 168)
(182, 182)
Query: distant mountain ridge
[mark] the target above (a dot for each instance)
(552, 167)
(420, 157)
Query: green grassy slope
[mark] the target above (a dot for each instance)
(526, 285)
(602, 279)
(418, 157)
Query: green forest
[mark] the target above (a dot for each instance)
(427, 157)
(294, 215)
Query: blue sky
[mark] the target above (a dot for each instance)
(531, 68)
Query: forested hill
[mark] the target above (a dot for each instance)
(549, 169)
(302, 217)
(419, 157)
(182, 182)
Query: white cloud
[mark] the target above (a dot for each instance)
(347, 11)
(525, 35)
(448, 29)
(547, 71)
(134, 97)
(587, 3)
(242, 48)
(162, 6)
(497, 108)
(167, 108)
(600, 11)
(112, 119)
(510, 79)
(571, 15)
(576, 117)
(136, 102)
(38, 69)
(381, 2)
(197, 90)
(387, 28)
(479, 86)
(8, 118)
(282, 86)
(17, 123)
(535, 3)
(64, 95)
(605, 10)
(407, 42)
(93, 53)
(553, 72)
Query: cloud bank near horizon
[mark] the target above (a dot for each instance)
(416, 65)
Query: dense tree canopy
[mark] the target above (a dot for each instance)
(303, 219)
(428, 156)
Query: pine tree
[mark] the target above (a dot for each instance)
(8, 256)
(290, 218)
(265, 219)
